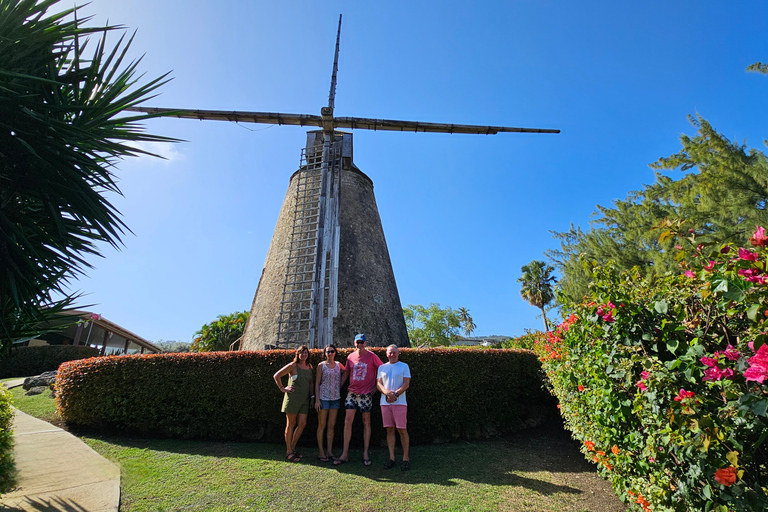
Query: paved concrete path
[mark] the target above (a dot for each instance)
(56, 471)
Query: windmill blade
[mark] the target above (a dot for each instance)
(238, 117)
(360, 123)
(332, 93)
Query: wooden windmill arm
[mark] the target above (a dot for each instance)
(239, 117)
(416, 126)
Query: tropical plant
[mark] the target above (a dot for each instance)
(62, 130)
(467, 324)
(220, 334)
(537, 281)
(664, 380)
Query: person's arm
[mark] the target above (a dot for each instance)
(282, 372)
(405, 385)
(318, 378)
(384, 391)
(344, 375)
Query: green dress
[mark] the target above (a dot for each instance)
(297, 402)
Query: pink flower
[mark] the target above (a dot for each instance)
(731, 353)
(758, 238)
(610, 305)
(713, 374)
(752, 275)
(725, 250)
(708, 361)
(645, 375)
(683, 394)
(689, 273)
(744, 254)
(710, 266)
(608, 317)
(758, 369)
(679, 247)
(642, 386)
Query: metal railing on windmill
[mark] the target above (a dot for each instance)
(308, 302)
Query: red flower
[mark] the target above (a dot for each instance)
(710, 266)
(590, 445)
(581, 388)
(615, 449)
(726, 476)
(683, 394)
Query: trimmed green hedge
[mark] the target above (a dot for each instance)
(7, 468)
(29, 361)
(455, 393)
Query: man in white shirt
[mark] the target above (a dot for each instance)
(394, 378)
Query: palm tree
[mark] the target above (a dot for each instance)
(63, 127)
(467, 324)
(537, 280)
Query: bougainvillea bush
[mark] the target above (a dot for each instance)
(664, 381)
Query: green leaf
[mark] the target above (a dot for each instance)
(661, 307)
(672, 345)
(759, 407)
(752, 312)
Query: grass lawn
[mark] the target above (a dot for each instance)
(541, 471)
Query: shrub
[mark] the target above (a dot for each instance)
(456, 393)
(7, 468)
(664, 381)
(28, 361)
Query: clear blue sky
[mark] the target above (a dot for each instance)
(461, 213)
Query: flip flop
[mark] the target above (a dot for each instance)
(293, 457)
(339, 462)
(389, 464)
(367, 462)
(323, 459)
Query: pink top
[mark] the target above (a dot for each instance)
(330, 382)
(362, 372)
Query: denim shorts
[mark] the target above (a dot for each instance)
(330, 404)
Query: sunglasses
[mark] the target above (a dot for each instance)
(330, 351)
(358, 342)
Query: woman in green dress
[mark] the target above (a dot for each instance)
(296, 399)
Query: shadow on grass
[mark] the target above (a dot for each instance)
(527, 459)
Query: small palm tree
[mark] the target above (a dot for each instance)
(537, 281)
(467, 324)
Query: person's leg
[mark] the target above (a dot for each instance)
(366, 434)
(406, 441)
(322, 417)
(301, 422)
(391, 442)
(348, 420)
(290, 425)
(332, 413)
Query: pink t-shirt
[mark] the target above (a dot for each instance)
(362, 372)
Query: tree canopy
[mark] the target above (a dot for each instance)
(62, 130)
(434, 326)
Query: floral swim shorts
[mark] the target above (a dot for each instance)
(361, 402)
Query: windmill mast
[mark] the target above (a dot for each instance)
(322, 315)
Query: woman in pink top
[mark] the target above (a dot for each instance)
(330, 377)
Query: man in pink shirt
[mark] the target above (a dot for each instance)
(362, 368)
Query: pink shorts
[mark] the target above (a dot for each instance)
(394, 415)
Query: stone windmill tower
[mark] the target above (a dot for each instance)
(328, 275)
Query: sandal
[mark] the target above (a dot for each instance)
(323, 459)
(367, 462)
(339, 462)
(293, 457)
(389, 464)
(406, 465)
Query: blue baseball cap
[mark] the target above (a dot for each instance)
(360, 337)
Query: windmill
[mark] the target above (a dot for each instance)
(297, 303)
